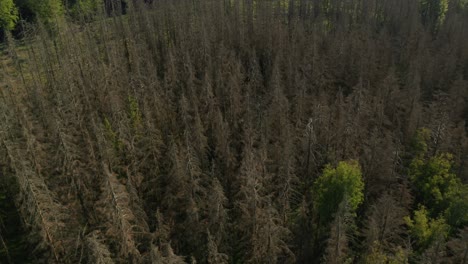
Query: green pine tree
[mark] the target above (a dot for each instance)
(8, 14)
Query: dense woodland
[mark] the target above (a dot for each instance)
(234, 131)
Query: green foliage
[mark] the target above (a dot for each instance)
(378, 256)
(437, 187)
(400, 256)
(433, 12)
(456, 214)
(47, 11)
(426, 230)
(337, 184)
(463, 4)
(8, 14)
(135, 113)
(434, 180)
(112, 136)
(418, 145)
(86, 8)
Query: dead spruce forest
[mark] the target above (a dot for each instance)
(236, 131)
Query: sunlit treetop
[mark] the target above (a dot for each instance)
(335, 185)
(8, 14)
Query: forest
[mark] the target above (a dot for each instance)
(234, 131)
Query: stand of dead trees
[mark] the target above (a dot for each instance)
(280, 131)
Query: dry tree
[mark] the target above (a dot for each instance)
(120, 222)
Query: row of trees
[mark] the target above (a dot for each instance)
(48, 12)
(432, 12)
(239, 132)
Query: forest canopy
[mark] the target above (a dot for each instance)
(8, 15)
(217, 131)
